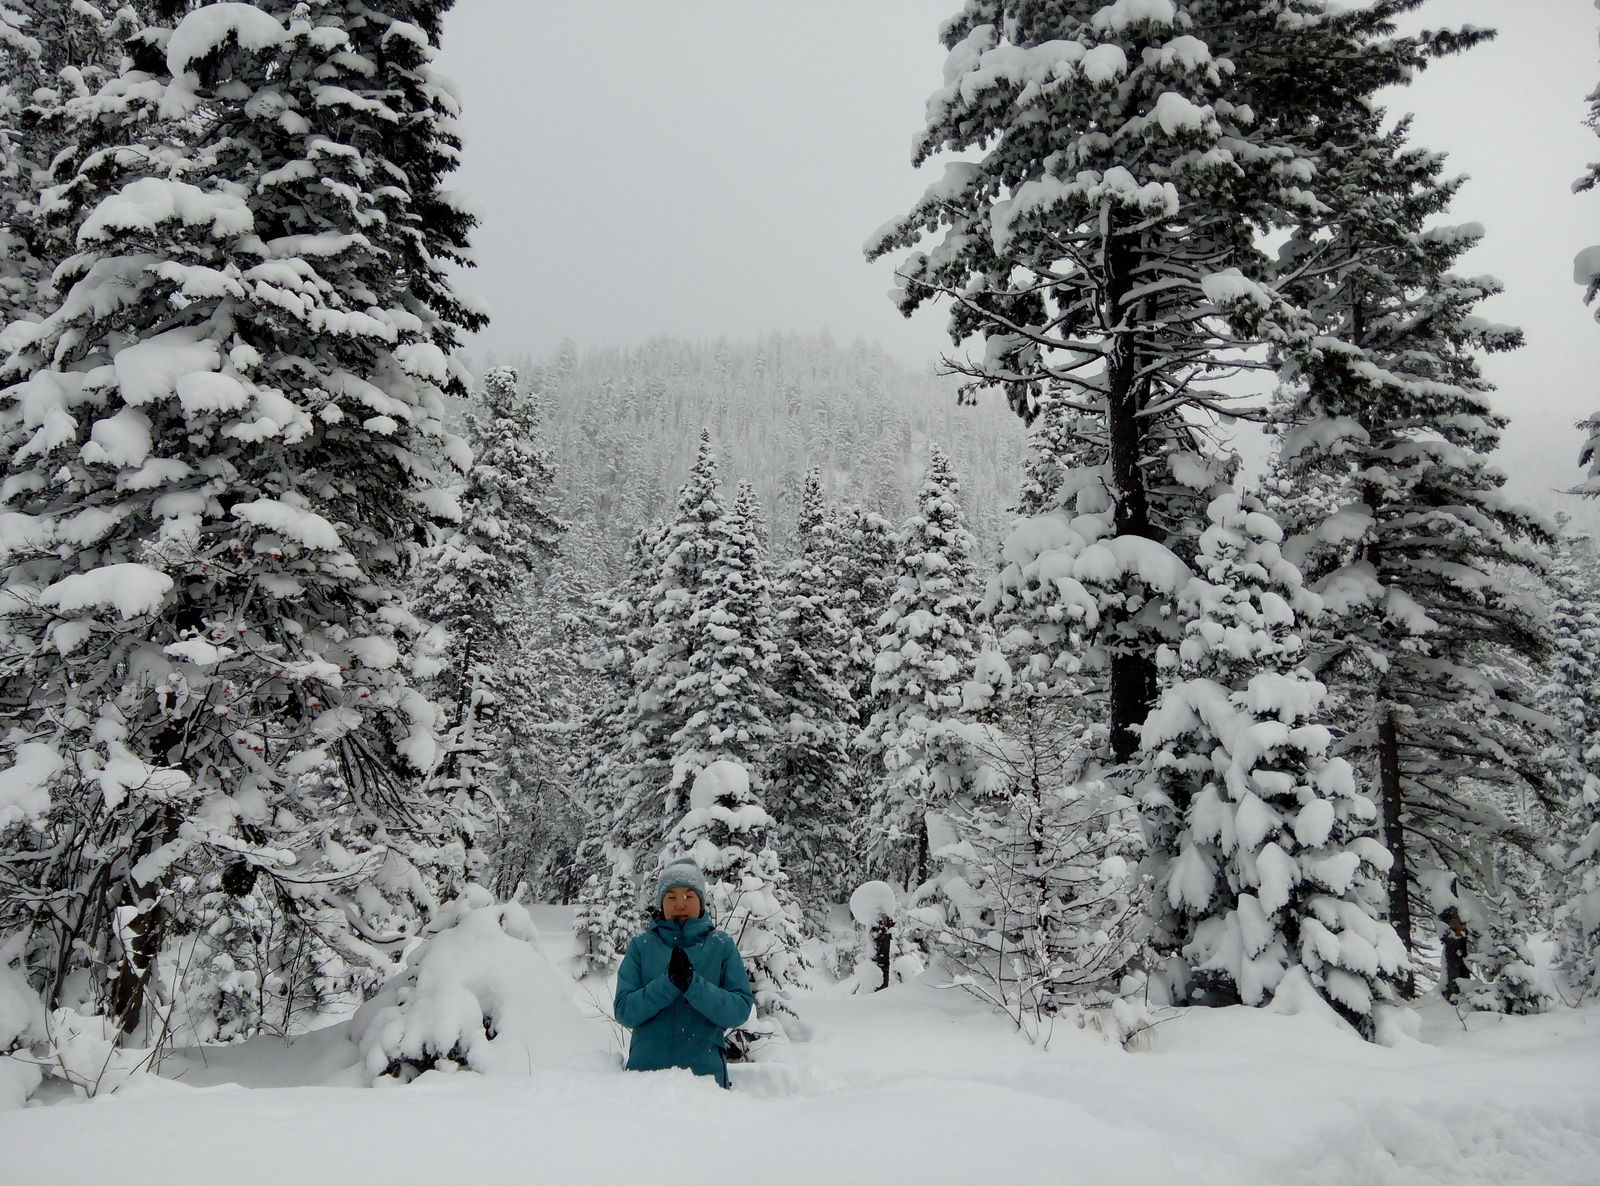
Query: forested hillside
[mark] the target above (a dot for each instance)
(624, 426)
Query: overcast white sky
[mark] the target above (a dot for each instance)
(710, 167)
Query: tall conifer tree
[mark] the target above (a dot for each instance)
(1573, 698)
(219, 449)
(1400, 523)
(694, 666)
(928, 643)
(812, 775)
(477, 584)
(1103, 238)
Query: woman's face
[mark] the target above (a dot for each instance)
(681, 902)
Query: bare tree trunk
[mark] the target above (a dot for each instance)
(1394, 837)
(143, 935)
(1132, 672)
(882, 945)
(1454, 943)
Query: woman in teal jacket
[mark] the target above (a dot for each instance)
(682, 982)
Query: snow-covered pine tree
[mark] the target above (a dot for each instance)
(813, 779)
(1573, 698)
(686, 555)
(626, 756)
(1261, 845)
(1586, 271)
(726, 831)
(1104, 236)
(52, 53)
(545, 763)
(862, 549)
(218, 476)
(1503, 977)
(1045, 602)
(476, 584)
(694, 665)
(1400, 523)
(724, 703)
(1040, 887)
(927, 648)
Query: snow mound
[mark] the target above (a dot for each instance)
(1586, 265)
(477, 993)
(18, 1080)
(873, 901)
(1296, 996)
(306, 528)
(130, 589)
(203, 31)
(21, 1024)
(1210, 1097)
(145, 204)
(25, 796)
(721, 779)
(85, 1051)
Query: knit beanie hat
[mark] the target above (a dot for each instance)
(681, 872)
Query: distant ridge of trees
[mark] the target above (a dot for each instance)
(625, 424)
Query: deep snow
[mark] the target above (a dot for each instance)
(914, 1084)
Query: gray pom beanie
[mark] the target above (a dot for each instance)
(681, 872)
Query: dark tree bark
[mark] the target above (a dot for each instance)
(882, 945)
(1394, 838)
(1132, 677)
(1454, 943)
(147, 930)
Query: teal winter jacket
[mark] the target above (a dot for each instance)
(682, 1029)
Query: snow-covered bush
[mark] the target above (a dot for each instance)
(1038, 902)
(476, 993)
(22, 1024)
(80, 1049)
(83, 1050)
(1504, 976)
(885, 955)
(242, 965)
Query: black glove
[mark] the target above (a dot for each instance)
(679, 970)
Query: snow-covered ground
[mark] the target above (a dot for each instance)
(914, 1084)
